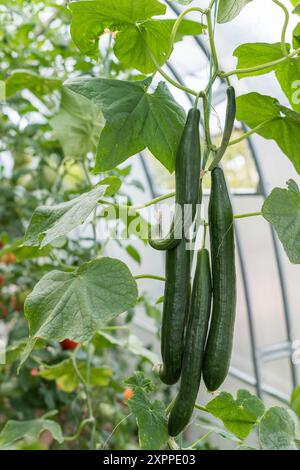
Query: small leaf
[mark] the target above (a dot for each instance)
(282, 210)
(151, 416)
(229, 9)
(132, 251)
(75, 304)
(138, 380)
(51, 222)
(255, 54)
(27, 80)
(14, 431)
(283, 126)
(135, 119)
(287, 75)
(277, 430)
(66, 378)
(239, 416)
(77, 125)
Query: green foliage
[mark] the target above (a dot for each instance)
(150, 415)
(229, 9)
(75, 304)
(240, 415)
(15, 431)
(282, 210)
(135, 119)
(136, 32)
(276, 122)
(66, 376)
(279, 430)
(51, 222)
(77, 125)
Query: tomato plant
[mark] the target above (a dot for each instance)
(85, 90)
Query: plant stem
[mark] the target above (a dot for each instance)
(87, 393)
(140, 206)
(164, 74)
(150, 276)
(252, 131)
(249, 214)
(212, 41)
(178, 23)
(285, 26)
(200, 407)
(200, 440)
(78, 432)
(259, 67)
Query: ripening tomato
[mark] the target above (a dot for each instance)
(128, 393)
(34, 372)
(68, 344)
(2, 280)
(1, 244)
(8, 258)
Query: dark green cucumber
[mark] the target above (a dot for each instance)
(196, 334)
(172, 239)
(220, 338)
(229, 125)
(175, 311)
(187, 175)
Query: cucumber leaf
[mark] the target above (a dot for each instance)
(135, 119)
(229, 9)
(277, 122)
(282, 210)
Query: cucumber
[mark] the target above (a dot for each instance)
(175, 311)
(194, 346)
(229, 125)
(187, 176)
(219, 344)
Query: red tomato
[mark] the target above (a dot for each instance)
(34, 372)
(128, 393)
(8, 258)
(68, 344)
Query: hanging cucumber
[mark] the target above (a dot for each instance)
(187, 175)
(194, 346)
(175, 311)
(220, 338)
(229, 125)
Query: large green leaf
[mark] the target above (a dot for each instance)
(282, 210)
(26, 79)
(255, 54)
(229, 9)
(30, 431)
(151, 416)
(288, 76)
(77, 125)
(75, 304)
(50, 222)
(91, 18)
(67, 379)
(135, 119)
(136, 31)
(278, 430)
(239, 416)
(283, 124)
(133, 42)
